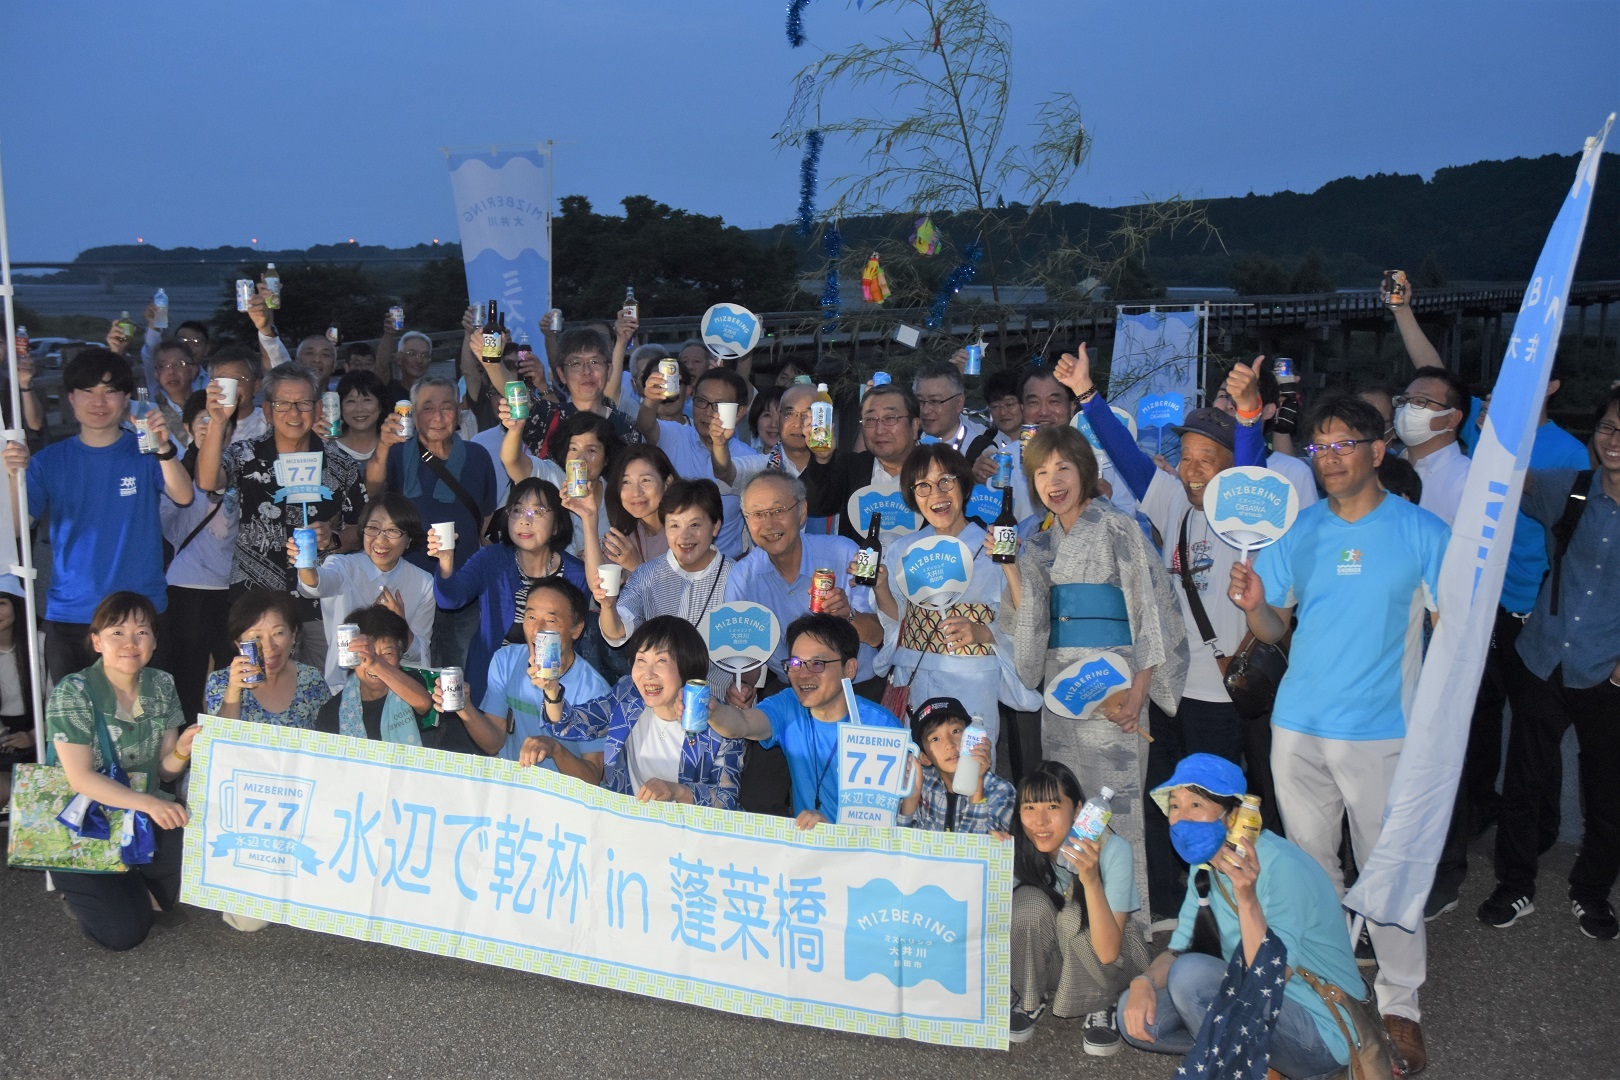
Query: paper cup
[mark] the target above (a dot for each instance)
(728, 415)
(610, 575)
(227, 391)
(446, 532)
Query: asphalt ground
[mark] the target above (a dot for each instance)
(202, 1000)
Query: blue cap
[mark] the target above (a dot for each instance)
(1211, 772)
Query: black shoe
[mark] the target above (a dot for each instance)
(1439, 904)
(1364, 950)
(1022, 1024)
(1100, 1034)
(1505, 907)
(1596, 918)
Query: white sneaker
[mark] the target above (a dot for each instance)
(243, 923)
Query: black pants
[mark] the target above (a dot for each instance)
(115, 910)
(1543, 709)
(194, 627)
(1020, 749)
(1199, 727)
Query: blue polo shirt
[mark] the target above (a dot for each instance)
(754, 578)
(811, 747)
(1360, 589)
(512, 695)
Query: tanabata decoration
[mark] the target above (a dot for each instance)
(795, 22)
(832, 304)
(874, 282)
(924, 238)
(807, 181)
(953, 284)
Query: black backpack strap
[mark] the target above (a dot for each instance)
(1194, 601)
(1563, 530)
(453, 484)
(201, 525)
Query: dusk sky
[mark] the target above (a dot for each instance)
(202, 123)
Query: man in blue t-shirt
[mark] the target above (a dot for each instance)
(1360, 569)
(101, 494)
(804, 721)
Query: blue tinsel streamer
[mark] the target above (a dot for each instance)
(807, 181)
(959, 277)
(795, 23)
(832, 304)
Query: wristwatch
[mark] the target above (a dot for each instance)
(167, 454)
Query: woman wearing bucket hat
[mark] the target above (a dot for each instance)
(1273, 886)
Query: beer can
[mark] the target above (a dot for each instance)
(975, 358)
(548, 653)
(822, 583)
(1283, 369)
(332, 409)
(396, 317)
(244, 292)
(332, 335)
(579, 480)
(1246, 824)
(517, 400)
(671, 371)
(556, 321)
(1003, 477)
(308, 548)
(344, 640)
(250, 648)
(695, 706)
(880, 378)
(452, 689)
(407, 423)
(1026, 433)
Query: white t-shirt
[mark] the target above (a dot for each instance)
(1443, 473)
(1165, 503)
(1299, 473)
(654, 750)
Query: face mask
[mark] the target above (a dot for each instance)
(1197, 841)
(1412, 424)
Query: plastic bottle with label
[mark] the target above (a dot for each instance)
(1093, 818)
(820, 437)
(966, 780)
(160, 311)
(272, 285)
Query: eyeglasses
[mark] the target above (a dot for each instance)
(1421, 402)
(773, 515)
(304, 406)
(414, 354)
(1342, 448)
(1606, 431)
(796, 663)
(191, 339)
(529, 514)
(585, 365)
(174, 365)
(703, 402)
(873, 423)
(934, 403)
(924, 488)
(371, 532)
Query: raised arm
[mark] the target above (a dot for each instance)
(1419, 349)
(624, 330)
(1074, 371)
(652, 392)
(734, 723)
(210, 452)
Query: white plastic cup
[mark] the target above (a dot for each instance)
(446, 532)
(728, 414)
(611, 574)
(227, 391)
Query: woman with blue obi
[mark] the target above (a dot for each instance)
(1087, 584)
(962, 650)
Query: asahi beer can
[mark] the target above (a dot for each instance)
(579, 480)
(396, 317)
(345, 635)
(308, 548)
(1026, 433)
(250, 648)
(671, 371)
(407, 423)
(452, 689)
(332, 410)
(975, 358)
(548, 653)
(822, 583)
(1003, 477)
(695, 706)
(244, 293)
(517, 400)
(1284, 369)
(556, 321)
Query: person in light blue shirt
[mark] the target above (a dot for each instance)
(804, 720)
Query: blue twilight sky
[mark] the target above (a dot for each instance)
(200, 122)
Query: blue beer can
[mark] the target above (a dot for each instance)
(308, 548)
(250, 648)
(1003, 477)
(880, 378)
(695, 706)
(975, 358)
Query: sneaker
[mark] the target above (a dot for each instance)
(1407, 1035)
(1021, 1026)
(1101, 1037)
(1596, 919)
(1505, 907)
(1438, 905)
(1364, 950)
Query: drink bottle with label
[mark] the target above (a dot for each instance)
(272, 285)
(1004, 533)
(160, 311)
(1093, 818)
(870, 555)
(630, 306)
(491, 344)
(820, 437)
(966, 780)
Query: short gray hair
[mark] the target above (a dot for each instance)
(429, 382)
(691, 343)
(287, 373)
(793, 482)
(642, 354)
(412, 335)
(939, 370)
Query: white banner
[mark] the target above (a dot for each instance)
(503, 206)
(883, 931)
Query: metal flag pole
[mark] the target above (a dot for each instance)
(25, 541)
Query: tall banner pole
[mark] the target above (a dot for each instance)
(24, 568)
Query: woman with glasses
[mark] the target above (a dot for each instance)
(635, 488)
(363, 401)
(376, 574)
(957, 651)
(534, 532)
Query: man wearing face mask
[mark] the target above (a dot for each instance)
(1427, 418)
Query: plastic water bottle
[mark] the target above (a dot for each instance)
(1093, 817)
(966, 780)
(160, 316)
(139, 410)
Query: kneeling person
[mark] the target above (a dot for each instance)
(937, 726)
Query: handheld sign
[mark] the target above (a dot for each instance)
(1084, 427)
(1081, 688)
(1161, 411)
(936, 571)
(1250, 507)
(741, 635)
(985, 504)
(898, 518)
(300, 478)
(729, 331)
(872, 773)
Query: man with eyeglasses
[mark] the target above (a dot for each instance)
(236, 362)
(189, 335)
(290, 402)
(803, 720)
(941, 397)
(857, 483)
(1359, 569)
(581, 367)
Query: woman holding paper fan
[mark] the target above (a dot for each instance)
(1086, 587)
(959, 650)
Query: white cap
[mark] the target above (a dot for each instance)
(1108, 793)
(821, 386)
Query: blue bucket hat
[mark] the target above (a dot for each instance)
(1211, 772)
